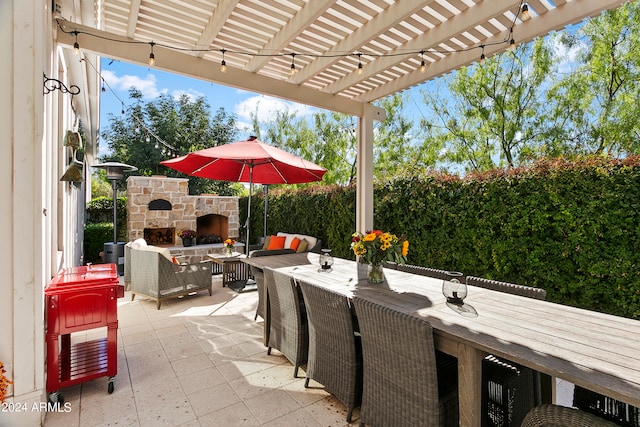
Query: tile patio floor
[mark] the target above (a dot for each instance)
(199, 361)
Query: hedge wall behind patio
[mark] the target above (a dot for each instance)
(570, 228)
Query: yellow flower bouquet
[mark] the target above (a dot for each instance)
(229, 245)
(375, 247)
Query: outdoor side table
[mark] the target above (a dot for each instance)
(233, 269)
(78, 299)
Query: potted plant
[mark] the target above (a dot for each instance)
(187, 237)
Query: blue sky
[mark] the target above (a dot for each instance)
(120, 76)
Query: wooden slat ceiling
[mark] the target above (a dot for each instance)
(328, 37)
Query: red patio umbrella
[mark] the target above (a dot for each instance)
(247, 161)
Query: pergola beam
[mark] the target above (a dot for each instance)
(563, 15)
(385, 20)
(215, 24)
(117, 47)
(305, 17)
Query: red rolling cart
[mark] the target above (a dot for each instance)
(79, 299)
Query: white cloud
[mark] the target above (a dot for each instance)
(265, 107)
(147, 85)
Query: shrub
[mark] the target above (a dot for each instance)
(95, 236)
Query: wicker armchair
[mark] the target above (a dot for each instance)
(335, 352)
(509, 390)
(289, 332)
(426, 271)
(560, 416)
(156, 277)
(606, 407)
(263, 303)
(401, 382)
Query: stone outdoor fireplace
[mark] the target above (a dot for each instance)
(158, 208)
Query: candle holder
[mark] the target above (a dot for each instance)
(453, 289)
(326, 261)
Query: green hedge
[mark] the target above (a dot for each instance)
(95, 236)
(571, 228)
(98, 228)
(100, 210)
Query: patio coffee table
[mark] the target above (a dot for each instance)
(235, 273)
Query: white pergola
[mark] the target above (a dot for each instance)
(347, 53)
(44, 216)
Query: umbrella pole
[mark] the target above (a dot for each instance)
(249, 209)
(266, 204)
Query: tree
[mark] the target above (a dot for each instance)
(540, 101)
(492, 115)
(395, 147)
(100, 186)
(598, 102)
(157, 130)
(330, 139)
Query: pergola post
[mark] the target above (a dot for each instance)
(364, 173)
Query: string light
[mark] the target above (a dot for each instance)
(152, 57)
(103, 88)
(293, 69)
(523, 12)
(76, 46)
(525, 15)
(223, 64)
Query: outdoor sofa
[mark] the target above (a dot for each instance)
(284, 246)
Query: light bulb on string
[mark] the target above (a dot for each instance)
(223, 64)
(152, 57)
(482, 57)
(423, 65)
(525, 15)
(293, 65)
(512, 42)
(76, 46)
(359, 64)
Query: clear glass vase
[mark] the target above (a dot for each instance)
(229, 251)
(375, 273)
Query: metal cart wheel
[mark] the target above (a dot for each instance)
(111, 385)
(56, 397)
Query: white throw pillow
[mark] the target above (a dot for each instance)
(138, 243)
